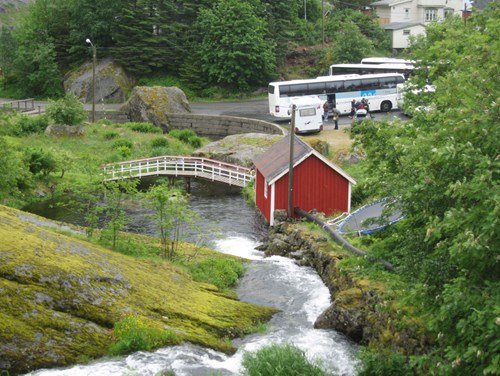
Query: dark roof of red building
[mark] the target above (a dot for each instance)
(275, 161)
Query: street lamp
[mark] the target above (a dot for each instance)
(93, 78)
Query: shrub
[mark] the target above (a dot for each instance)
(110, 135)
(104, 122)
(182, 134)
(279, 360)
(144, 127)
(159, 142)
(195, 141)
(67, 110)
(41, 162)
(27, 125)
(222, 273)
(124, 151)
(122, 142)
(133, 334)
(384, 364)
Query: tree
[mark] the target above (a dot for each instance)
(444, 168)
(172, 216)
(234, 49)
(116, 219)
(350, 45)
(8, 47)
(15, 173)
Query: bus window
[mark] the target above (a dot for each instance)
(298, 89)
(370, 83)
(284, 90)
(317, 87)
(270, 89)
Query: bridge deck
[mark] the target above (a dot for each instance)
(168, 165)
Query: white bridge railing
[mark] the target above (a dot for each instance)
(168, 165)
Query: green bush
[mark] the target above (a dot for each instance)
(223, 273)
(28, 125)
(67, 110)
(279, 360)
(41, 162)
(122, 142)
(375, 363)
(159, 142)
(144, 127)
(182, 134)
(133, 334)
(111, 135)
(195, 141)
(124, 151)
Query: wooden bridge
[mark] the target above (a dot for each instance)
(179, 166)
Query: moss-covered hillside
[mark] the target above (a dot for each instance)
(60, 297)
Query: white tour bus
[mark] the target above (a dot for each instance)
(308, 113)
(378, 89)
(386, 60)
(338, 69)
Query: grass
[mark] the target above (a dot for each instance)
(280, 360)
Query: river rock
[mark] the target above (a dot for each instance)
(111, 82)
(240, 149)
(152, 104)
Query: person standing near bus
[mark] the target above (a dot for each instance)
(325, 111)
(336, 114)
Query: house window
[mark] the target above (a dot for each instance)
(265, 188)
(430, 14)
(406, 32)
(407, 13)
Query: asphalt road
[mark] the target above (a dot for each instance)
(252, 109)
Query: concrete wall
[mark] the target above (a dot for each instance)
(211, 126)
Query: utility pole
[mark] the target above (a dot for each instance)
(323, 22)
(94, 58)
(290, 166)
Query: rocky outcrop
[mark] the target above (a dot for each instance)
(152, 104)
(112, 82)
(360, 308)
(61, 297)
(61, 130)
(240, 149)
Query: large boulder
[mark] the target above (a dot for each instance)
(112, 83)
(240, 149)
(152, 104)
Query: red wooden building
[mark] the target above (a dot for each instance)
(317, 183)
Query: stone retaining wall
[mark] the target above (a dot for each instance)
(356, 302)
(211, 126)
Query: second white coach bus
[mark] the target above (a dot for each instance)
(338, 69)
(379, 89)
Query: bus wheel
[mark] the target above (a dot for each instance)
(386, 106)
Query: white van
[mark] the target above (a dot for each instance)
(308, 115)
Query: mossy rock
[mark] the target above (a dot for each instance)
(61, 296)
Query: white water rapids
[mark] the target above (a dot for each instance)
(275, 282)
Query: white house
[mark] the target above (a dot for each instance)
(402, 18)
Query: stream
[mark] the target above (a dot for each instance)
(270, 281)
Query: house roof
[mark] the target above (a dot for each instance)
(401, 25)
(388, 3)
(275, 162)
